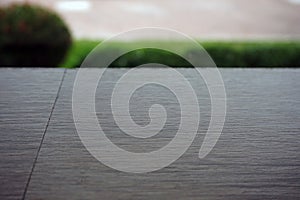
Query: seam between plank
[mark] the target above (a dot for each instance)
(44, 133)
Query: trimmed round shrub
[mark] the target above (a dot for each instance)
(32, 36)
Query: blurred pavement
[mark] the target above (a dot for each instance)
(203, 19)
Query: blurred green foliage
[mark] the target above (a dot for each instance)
(224, 53)
(255, 54)
(32, 36)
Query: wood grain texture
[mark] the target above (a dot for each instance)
(26, 99)
(256, 157)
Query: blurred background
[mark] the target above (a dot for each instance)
(203, 19)
(236, 33)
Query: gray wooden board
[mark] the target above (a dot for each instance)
(26, 99)
(256, 157)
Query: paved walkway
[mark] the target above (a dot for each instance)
(43, 158)
(201, 19)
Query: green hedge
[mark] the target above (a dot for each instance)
(225, 54)
(31, 35)
(255, 54)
